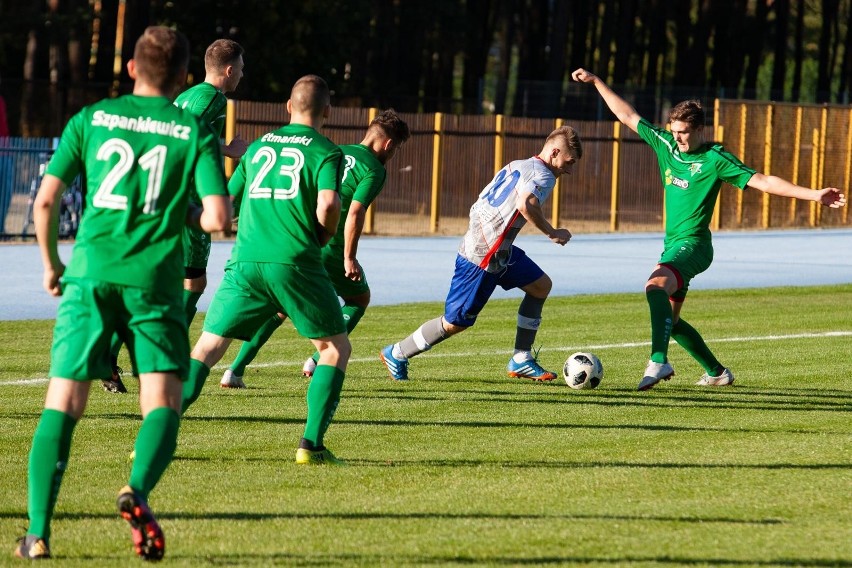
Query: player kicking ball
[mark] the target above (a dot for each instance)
(487, 258)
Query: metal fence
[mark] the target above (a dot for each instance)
(437, 175)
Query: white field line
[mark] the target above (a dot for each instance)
(602, 346)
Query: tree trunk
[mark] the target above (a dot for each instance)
(779, 63)
(799, 41)
(824, 71)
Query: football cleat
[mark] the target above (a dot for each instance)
(317, 457)
(723, 380)
(654, 373)
(32, 547)
(114, 383)
(529, 369)
(397, 368)
(231, 381)
(309, 367)
(148, 539)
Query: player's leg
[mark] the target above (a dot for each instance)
(196, 252)
(323, 398)
(233, 376)
(315, 313)
(661, 284)
(114, 383)
(470, 289)
(237, 310)
(525, 274)
(715, 374)
(48, 460)
(207, 352)
(85, 321)
(193, 289)
(354, 307)
(160, 397)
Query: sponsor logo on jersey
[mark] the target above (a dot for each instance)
(303, 140)
(141, 124)
(676, 181)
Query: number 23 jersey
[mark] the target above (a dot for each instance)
(276, 186)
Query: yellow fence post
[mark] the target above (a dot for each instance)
(498, 143)
(814, 175)
(822, 131)
(557, 189)
(797, 149)
(767, 165)
(719, 136)
(371, 210)
(848, 161)
(613, 199)
(230, 132)
(436, 173)
(743, 117)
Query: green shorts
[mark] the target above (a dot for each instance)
(332, 260)
(196, 248)
(152, 324)
(689, 257)
(252, 292)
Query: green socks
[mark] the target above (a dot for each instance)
(688, 338)
(48, 460)
(249, 349)
(198, 373)
(155, 446)
(190, 300)
(661, 324)
(323, 397)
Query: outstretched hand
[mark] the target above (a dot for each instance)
(831, 197)
(583, 76)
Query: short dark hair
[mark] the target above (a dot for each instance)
(392, 125)
(310, 94)
(161, 55)
(570, 137)
(221, 53)
(690, 112)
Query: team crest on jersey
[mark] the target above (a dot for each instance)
(694, 168)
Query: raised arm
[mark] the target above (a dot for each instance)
(829, 196)
(625, 113)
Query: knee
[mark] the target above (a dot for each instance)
(540, 288)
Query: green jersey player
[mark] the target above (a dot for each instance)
(223, 64)
(692, 170)
(289, 181)
(138, 154)
(363, 178)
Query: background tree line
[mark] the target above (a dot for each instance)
(467, 56)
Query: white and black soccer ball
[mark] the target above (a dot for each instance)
(583, 371)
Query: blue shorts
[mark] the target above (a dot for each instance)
(472, 286)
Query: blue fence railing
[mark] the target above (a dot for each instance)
(22, 163)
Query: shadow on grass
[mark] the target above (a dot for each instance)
(415, 516)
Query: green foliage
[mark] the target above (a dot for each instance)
(463, 465)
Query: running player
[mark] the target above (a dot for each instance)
(288, 182)
(363, 178)
(487, 258)
(139, 154)
(223, 64)
(692, 170)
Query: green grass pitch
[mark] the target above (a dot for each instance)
(464, 466)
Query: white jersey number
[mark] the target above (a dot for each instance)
(289, 169)
(350, 163)
(152, 161)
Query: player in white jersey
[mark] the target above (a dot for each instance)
(487, 258)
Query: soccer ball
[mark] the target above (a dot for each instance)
(583, 371)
